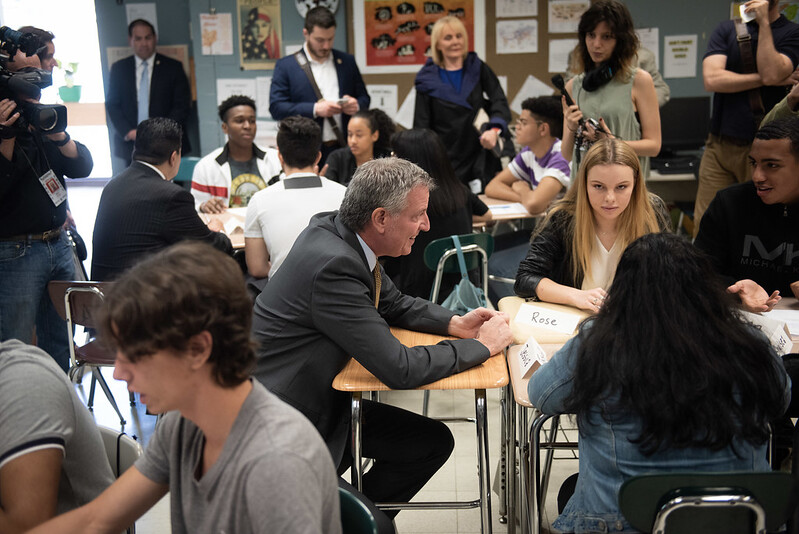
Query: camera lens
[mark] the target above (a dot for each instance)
(46, 119)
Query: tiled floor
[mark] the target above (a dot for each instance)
(457, 480)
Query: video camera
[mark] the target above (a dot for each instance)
(25, 84)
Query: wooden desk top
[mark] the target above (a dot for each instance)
(233, 219)
(515, 367)
(522, 332)
(492, 373)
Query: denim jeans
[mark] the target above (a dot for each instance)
(25, 269)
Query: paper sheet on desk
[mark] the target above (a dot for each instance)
(789, 317)
(236, 220)
(514, 208)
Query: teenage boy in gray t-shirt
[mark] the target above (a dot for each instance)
(232, 455)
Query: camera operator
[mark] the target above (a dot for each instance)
(33, 248)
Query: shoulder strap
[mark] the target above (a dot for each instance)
(461, 260)
(749, 67)
(306, 68)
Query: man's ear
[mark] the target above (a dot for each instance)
(318, 157)
(199, 349)
(280, 159)
(174, 158)
(380, 220)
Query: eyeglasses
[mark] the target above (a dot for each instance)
(524, 122)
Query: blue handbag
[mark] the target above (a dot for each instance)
(465, 297)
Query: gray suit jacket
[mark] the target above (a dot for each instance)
(318, 311)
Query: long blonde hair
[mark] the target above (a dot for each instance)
(435, 34)
(637, 219)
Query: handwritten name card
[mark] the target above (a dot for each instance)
(531, 357)
(547, 319)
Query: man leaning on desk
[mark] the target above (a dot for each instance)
(329, 302)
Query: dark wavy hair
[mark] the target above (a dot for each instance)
(669, 346)
(425, 148)
(784, 128)
(166, 299)
(618, 17)
(378, 121)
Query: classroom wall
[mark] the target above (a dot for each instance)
(179, 24)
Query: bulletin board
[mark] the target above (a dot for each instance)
(514, 55)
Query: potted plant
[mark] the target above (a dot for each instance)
(69, 92)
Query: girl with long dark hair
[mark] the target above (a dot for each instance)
(451, 208)
(668, 376)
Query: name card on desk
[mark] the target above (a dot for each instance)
(541, 317)
(531, 357)
(776, 331)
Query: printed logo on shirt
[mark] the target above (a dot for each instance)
(782, 257)
(243, 187)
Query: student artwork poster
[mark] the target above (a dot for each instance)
(259, 33)
(397, 32)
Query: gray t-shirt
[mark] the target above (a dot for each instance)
(40, 410)
(274, 474)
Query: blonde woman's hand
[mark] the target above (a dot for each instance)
(589, 299)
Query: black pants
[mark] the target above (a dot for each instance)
(407, 450)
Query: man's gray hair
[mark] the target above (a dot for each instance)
(380, 183)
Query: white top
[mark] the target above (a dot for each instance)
(327, 80)
(603, 266)
(140, 65)
(279, 213)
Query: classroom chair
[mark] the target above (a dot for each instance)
(709, 503)
(75, 302)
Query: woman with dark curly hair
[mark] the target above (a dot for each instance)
(610, 88)
(668, 376)
(368, 137)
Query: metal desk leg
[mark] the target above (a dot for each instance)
(524, 476)
(535, 472)
(356, 470)
(511, 494)
(482, 459)
(553, 437)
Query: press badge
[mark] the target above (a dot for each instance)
(53, 187)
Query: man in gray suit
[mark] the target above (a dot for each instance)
(322, 307)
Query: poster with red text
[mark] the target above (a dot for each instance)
(394, 35)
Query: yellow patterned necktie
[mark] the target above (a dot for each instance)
(378, 283)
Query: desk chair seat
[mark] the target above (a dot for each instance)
(356, 518)
(709, 503)
(75, 302)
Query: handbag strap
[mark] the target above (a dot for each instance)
(305, 65)
(749, 67)
(461, 260)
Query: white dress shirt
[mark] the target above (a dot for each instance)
(327, 80)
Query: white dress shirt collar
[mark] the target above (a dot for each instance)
(371, 259)
(153, 167)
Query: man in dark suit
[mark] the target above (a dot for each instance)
(336, 74)
(129, 102)
(329, 302)
(141, 211)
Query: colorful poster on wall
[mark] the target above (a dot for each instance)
(260, 33)
(394, 35)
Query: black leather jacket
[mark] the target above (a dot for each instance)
(550, 255)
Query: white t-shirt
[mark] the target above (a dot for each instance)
(279, 213)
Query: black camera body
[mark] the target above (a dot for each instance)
(26, 85)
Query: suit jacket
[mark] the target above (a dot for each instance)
(140, 213)
(169, 97)
(318, 311)
(291, 92)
